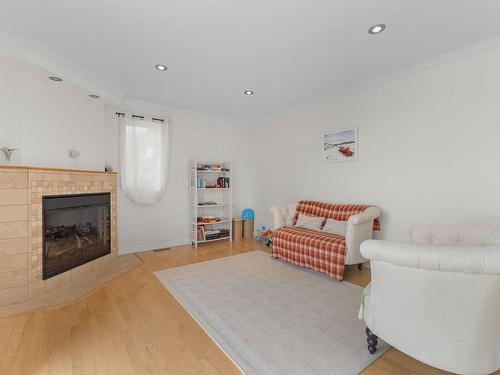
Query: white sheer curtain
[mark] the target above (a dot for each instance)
(144, 158)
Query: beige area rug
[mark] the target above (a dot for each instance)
(274, 318)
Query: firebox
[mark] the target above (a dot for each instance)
(76, 230)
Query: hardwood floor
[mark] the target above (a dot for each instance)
(132, 325)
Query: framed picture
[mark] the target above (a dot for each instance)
(340, 145)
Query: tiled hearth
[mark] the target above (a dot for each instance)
(21, 192)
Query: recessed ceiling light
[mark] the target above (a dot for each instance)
(376, 29)
(248, 92)
(54, 78)
(160, 67)
(94, 96)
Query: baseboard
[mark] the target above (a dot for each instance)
(135, 248)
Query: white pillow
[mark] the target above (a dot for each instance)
(309, 222)
(289, 218)
(335, 227)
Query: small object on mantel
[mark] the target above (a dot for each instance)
(8, 152)
(108, 168)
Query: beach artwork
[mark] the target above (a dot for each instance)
(340, 145)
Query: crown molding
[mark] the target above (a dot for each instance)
(433, 62)
(43, 57)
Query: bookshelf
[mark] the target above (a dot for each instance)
(210, 198)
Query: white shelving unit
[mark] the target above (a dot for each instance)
(221, 196)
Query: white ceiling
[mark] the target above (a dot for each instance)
(287, 51)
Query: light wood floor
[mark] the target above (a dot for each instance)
(132, 325)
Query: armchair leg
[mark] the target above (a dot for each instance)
(360, 266)
(372, 341)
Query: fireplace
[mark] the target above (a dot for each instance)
(76, 230)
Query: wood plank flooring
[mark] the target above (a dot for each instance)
(132, 325)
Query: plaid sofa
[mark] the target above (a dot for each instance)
(321, 251)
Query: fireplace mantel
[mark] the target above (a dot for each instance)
(10, 167)
(21, 191)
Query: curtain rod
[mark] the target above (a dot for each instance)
(141, 117)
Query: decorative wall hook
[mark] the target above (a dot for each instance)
(8, 152)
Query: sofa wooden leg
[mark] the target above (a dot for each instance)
(360, 266)
(372, 341)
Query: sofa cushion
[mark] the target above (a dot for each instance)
(309, 222)
(335, 226)
(321, 251)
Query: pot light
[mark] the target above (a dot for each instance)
(94, 96)
(55, 78)
(248, 92)
(160, 67)
(376, 29)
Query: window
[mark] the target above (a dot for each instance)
(144, 157)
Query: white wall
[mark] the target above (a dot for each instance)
(46, 119)
(194, 136)
(428, 148)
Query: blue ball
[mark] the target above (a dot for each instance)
(247, 213)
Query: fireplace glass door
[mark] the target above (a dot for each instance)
(76, 231)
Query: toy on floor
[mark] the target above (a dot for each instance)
(264, 235)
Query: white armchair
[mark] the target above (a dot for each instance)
(438, 299)
(359, 228)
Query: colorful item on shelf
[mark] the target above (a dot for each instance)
(201, 183)
(208, 219)
(247, 214)
(211, 168)
(223, 182)
(200, 233)
(264, 235)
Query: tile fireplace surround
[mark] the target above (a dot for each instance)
(21, 192)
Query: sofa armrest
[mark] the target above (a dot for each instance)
(279, 219)
(359, 229)
(368, 215)
(467, 259)
(282, 214)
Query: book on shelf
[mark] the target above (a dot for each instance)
(214, 234)
(221, 182)
(209, 203)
